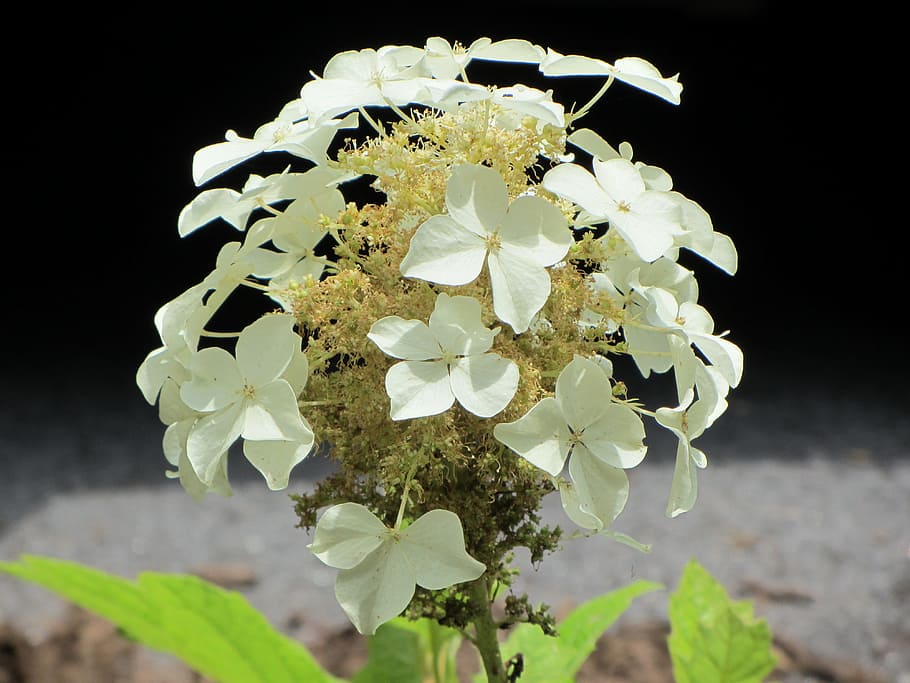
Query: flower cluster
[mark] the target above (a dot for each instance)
(450, 345)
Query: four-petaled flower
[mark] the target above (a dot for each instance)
(646, 219)
(444, 361)
(244, 396)
(381, 566)
(581, 423)
(517, 240)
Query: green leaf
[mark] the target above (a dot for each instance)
(214, 631)
(405, 651)
(713, 639)
(557, 660)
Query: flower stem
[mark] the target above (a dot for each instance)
(486, 640)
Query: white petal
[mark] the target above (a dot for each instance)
(642, 74)
(653, 347)
(571, 505)
(602, 490)
(509, 50)
(556, 64)
(346, 534)
(484, 384)
(540, 436)
(722, 253)
(378, 589)
(684, 489)
(332, 96)
(443, 251)
(477, 198)
(265, 348)
(405, 339)
(649, 225)
(273, 415)
(215, 383)
(711, 403)
(456, 323)
(418, 389)
(592, 143)
(583, 393)
(276, 459)
(215, 159)
(535, 230)
(175, 448)
(616, 437)
(298, 372)
(153, 371)
(576, 184)
(171, 407)
(434, 545)
(209, 206)
(520, 288)
(209, 440)
(619, 178)
(724, 355)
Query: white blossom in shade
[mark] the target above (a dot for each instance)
(308, 139)
(632, 70)
(381, 567)
(444, 361)
(174, 446)
(609, 509)
(663, 316)
(689, 421)
(235, 207)
(517, 241)
(180, 321)
(244, 396)
(581, 423)
(392, 75)
(295, 233)
(646, 219)
(443, 60)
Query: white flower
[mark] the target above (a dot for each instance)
(295, 232)
(380, 567)
(632, 70)
(245, 397)
(235, 207)
(517, 240)
(308, 139)
(445, 61)
(444, 361)
(664, 317)
(581, 421)
(689, 421)
(646, 219)
(392, 75)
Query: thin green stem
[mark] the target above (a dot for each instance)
(376, 126)
(220, 335)
(572, 118)
(404, 495)
(486, 631)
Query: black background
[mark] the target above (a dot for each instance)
(111, 108)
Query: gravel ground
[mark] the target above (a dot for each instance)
(805, 508)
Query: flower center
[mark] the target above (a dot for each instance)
(493, 242)
(624, 206)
